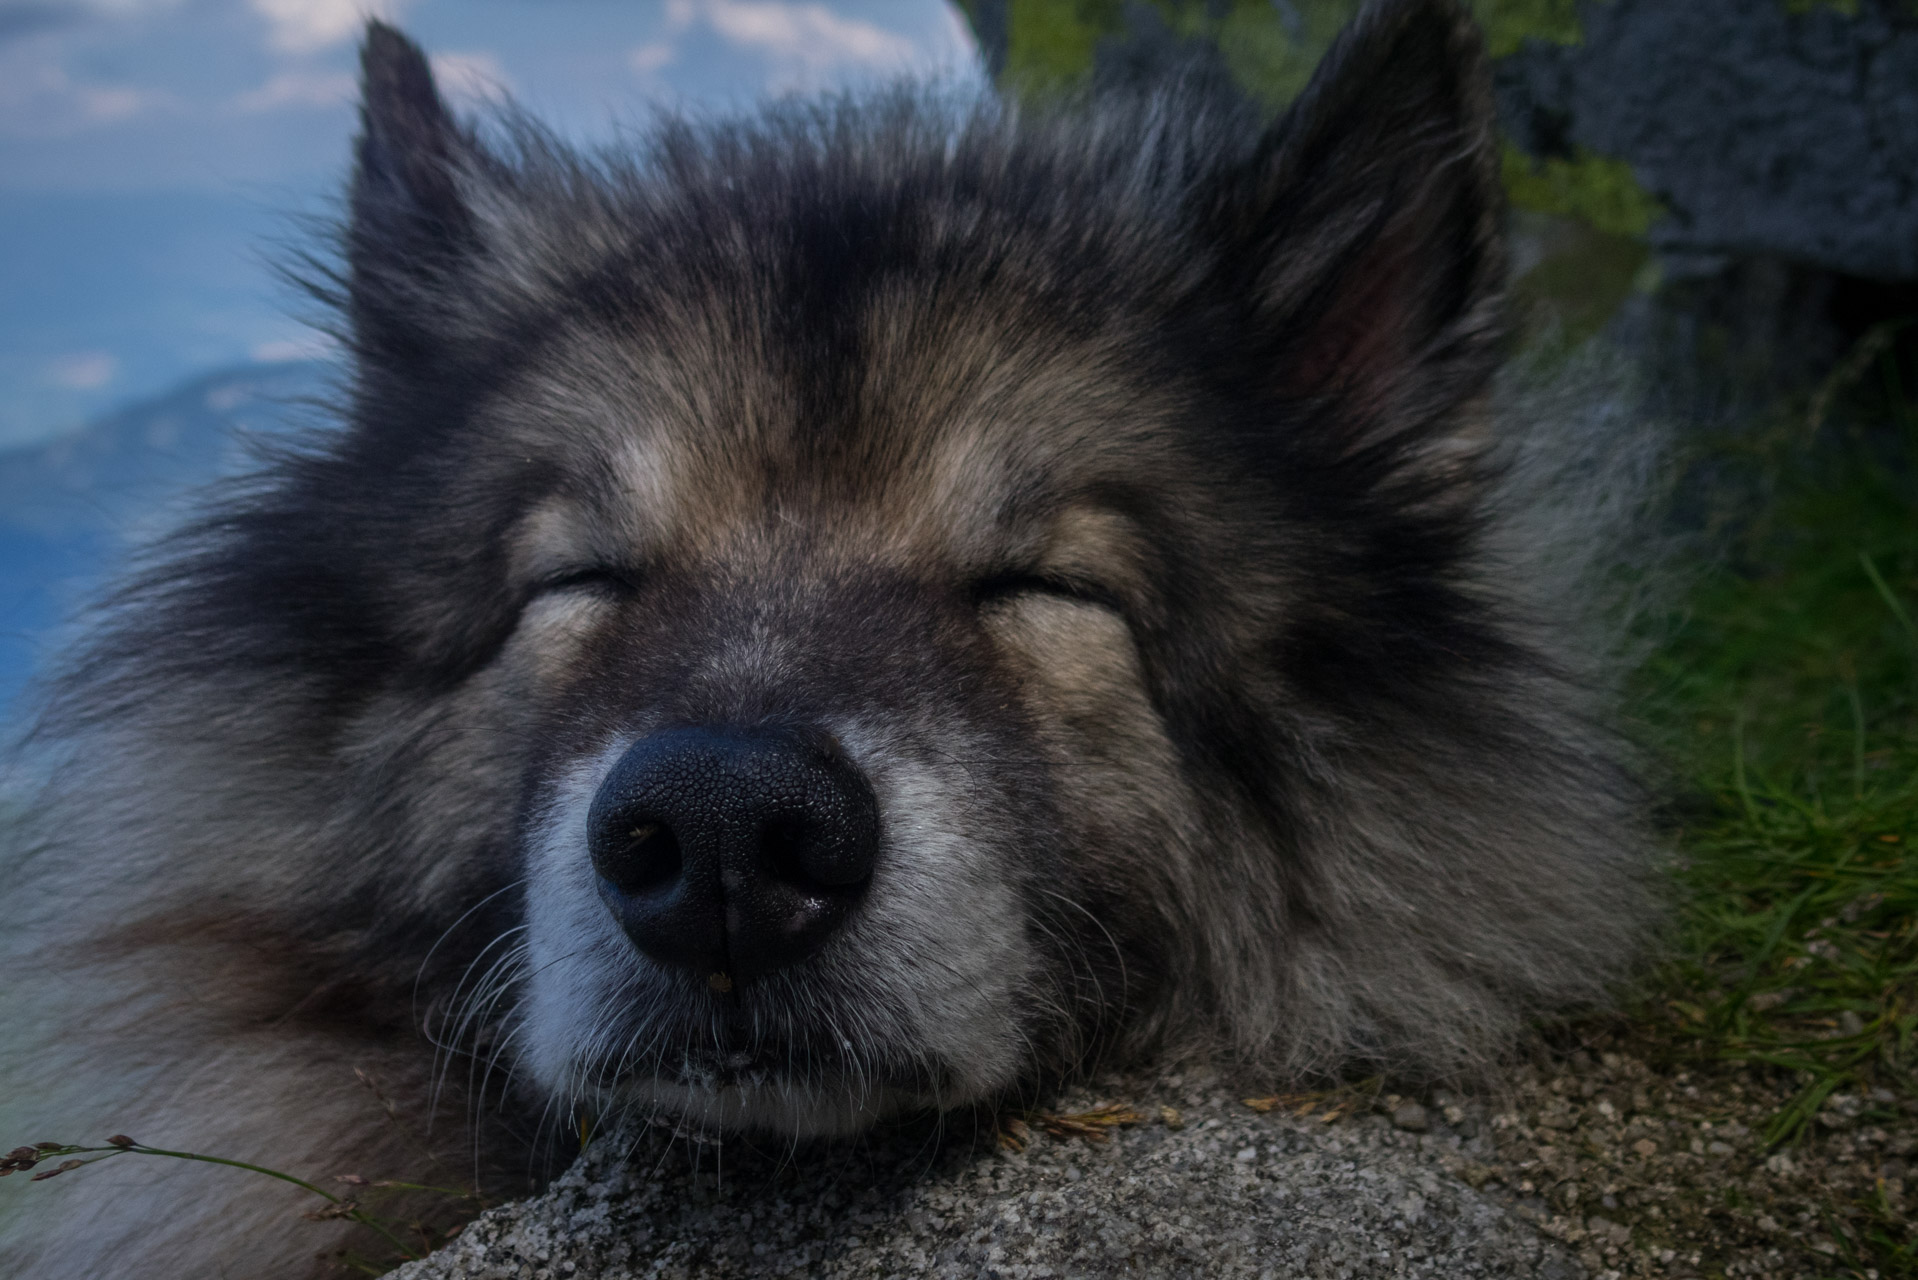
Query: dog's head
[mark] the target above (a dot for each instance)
(909, 594)
(880, 530)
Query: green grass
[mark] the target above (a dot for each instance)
(1785, 698)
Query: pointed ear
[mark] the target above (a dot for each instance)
(410, 218)
(1363, 236)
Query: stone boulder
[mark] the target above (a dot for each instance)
(1783, 129)
(1763, 131)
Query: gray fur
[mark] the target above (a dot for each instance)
(1122, 489)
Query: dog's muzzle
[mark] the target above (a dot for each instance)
(732, 852)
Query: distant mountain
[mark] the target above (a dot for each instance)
(72, 508)
(109, 295)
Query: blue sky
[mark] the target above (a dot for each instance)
(154, 152)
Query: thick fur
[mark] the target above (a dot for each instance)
(1121, 488)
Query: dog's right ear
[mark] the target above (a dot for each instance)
(411, 223)
(1362, 239)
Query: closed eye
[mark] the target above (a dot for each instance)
(601, 579)
(1010, 585)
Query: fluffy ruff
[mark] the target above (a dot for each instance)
(1122, 487)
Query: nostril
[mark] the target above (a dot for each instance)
(781, 849)
(809, 854)
(644, 856)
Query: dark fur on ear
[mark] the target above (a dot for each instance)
(1363, 235)
(411, 224)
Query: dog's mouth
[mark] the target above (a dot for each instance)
(772, 1086)
(721, 1054)
(783, 1110)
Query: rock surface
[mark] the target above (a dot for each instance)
(1209, 1187)
(1763, 130)
(1597, 1162)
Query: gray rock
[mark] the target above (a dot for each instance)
(1411, 1117)
(1765, 132)
(1356, 1198)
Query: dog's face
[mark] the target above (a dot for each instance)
(866, 574)
(851, 784)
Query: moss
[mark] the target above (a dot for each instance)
(1271, 50)
(1050, 43)
(1580, 279)
(1510, 23)
(1595, 189)
(1270, 57)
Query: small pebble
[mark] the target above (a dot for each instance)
(1411, 1117)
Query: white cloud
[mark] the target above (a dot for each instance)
(306, 26)
(470, 77)
(40, 99)
(804, 40)
(961, 49)
(61, 12)
(102, 103)
(463, 77)
(810, 34)
(129, 8)
(316, 346)
(83, 370)
(294, 89)
(649, 58)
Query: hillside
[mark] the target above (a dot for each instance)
(71, 508)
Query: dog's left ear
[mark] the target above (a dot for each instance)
(1363, 236)
(411, 224)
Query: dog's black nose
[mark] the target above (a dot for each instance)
(732, 852)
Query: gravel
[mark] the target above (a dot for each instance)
(1198, 1183)
(1663, 1171)
(1600, 1161)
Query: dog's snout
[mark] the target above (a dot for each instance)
(732, 852)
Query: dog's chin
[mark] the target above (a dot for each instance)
(715, 1094)
(799, 1111)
